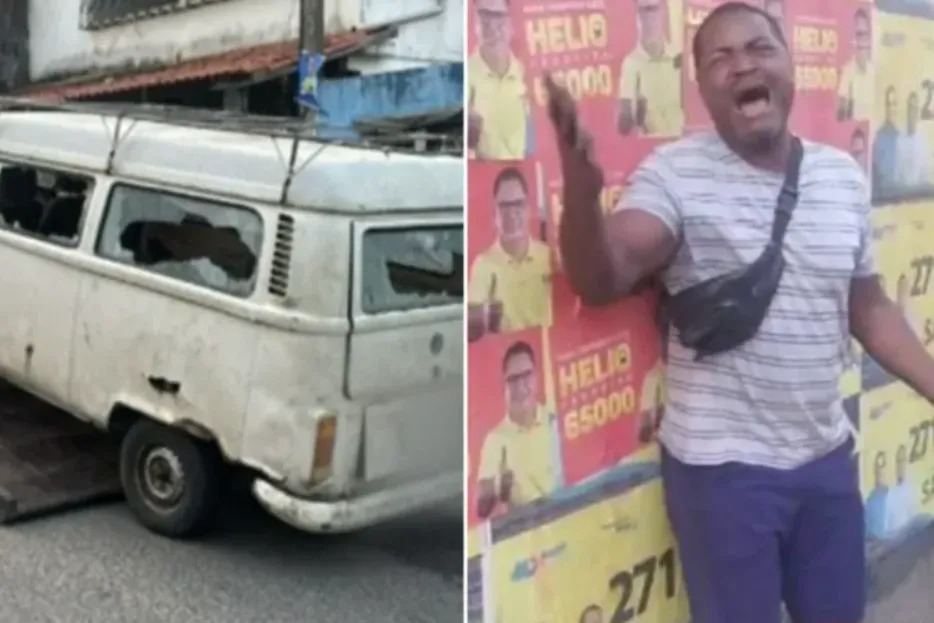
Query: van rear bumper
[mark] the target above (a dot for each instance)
(334, 516)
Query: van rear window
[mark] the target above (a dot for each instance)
(410, 268)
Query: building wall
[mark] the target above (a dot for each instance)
(14, 45)
(59, 47)
(437, 39)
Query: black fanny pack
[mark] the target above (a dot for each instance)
(719, 314)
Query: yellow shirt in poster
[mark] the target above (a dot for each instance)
(502, 102)
(528, 455)
(523, 286)
(857, 84)
(658, 81)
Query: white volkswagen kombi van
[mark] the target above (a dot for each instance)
(226, 295)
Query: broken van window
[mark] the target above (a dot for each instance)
(43, 203)
(207, 243)
(412, 267)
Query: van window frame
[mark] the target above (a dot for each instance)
(406, 222)
(94, 184)
(206, 198)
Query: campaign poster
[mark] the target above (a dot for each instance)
(914, 286)
(621, 61)
(892, 239)
(897, 464)
(499, 123)
(608, 380)
(921, 288)
(611, 560)
(855, 91)
(813, 32)
(510, 267)
(602, 361)
(905, 261)
(903, 128)
(514, 458)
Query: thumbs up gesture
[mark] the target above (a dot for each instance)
(494, 309)
(474, 124)
(476, 322)
(507, 479)
(641, 107)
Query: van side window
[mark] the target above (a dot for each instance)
(207, 243)
(43, 203)
(412, 267)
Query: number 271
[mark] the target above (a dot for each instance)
(927, 108)
(625, 581)
(922, 269)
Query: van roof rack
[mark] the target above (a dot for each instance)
(385, 133)
(295, 162)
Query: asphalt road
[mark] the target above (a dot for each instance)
(97, 565)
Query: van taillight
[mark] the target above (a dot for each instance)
(325, 437)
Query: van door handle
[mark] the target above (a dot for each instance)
(164, 386)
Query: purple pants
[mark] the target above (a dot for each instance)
(751, 537)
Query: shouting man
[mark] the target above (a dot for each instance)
(761, 487)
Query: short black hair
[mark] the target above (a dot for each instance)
(510, 174)
(518, 348)
(861, 14)
(729, 8)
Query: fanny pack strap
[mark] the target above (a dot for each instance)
(788, 197)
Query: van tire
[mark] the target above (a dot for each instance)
(171, 480)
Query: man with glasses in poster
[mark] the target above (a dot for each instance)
(517, 459)
(510, 283)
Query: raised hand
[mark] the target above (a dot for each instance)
(575, 143)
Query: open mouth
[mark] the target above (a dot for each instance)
(753, 101)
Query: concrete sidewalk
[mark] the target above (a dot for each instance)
(912, 600)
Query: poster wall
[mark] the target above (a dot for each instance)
(565, 513)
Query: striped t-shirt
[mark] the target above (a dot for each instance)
(773, 401)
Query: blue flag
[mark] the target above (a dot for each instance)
(309, 66)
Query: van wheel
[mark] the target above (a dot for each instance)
(171, 480)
